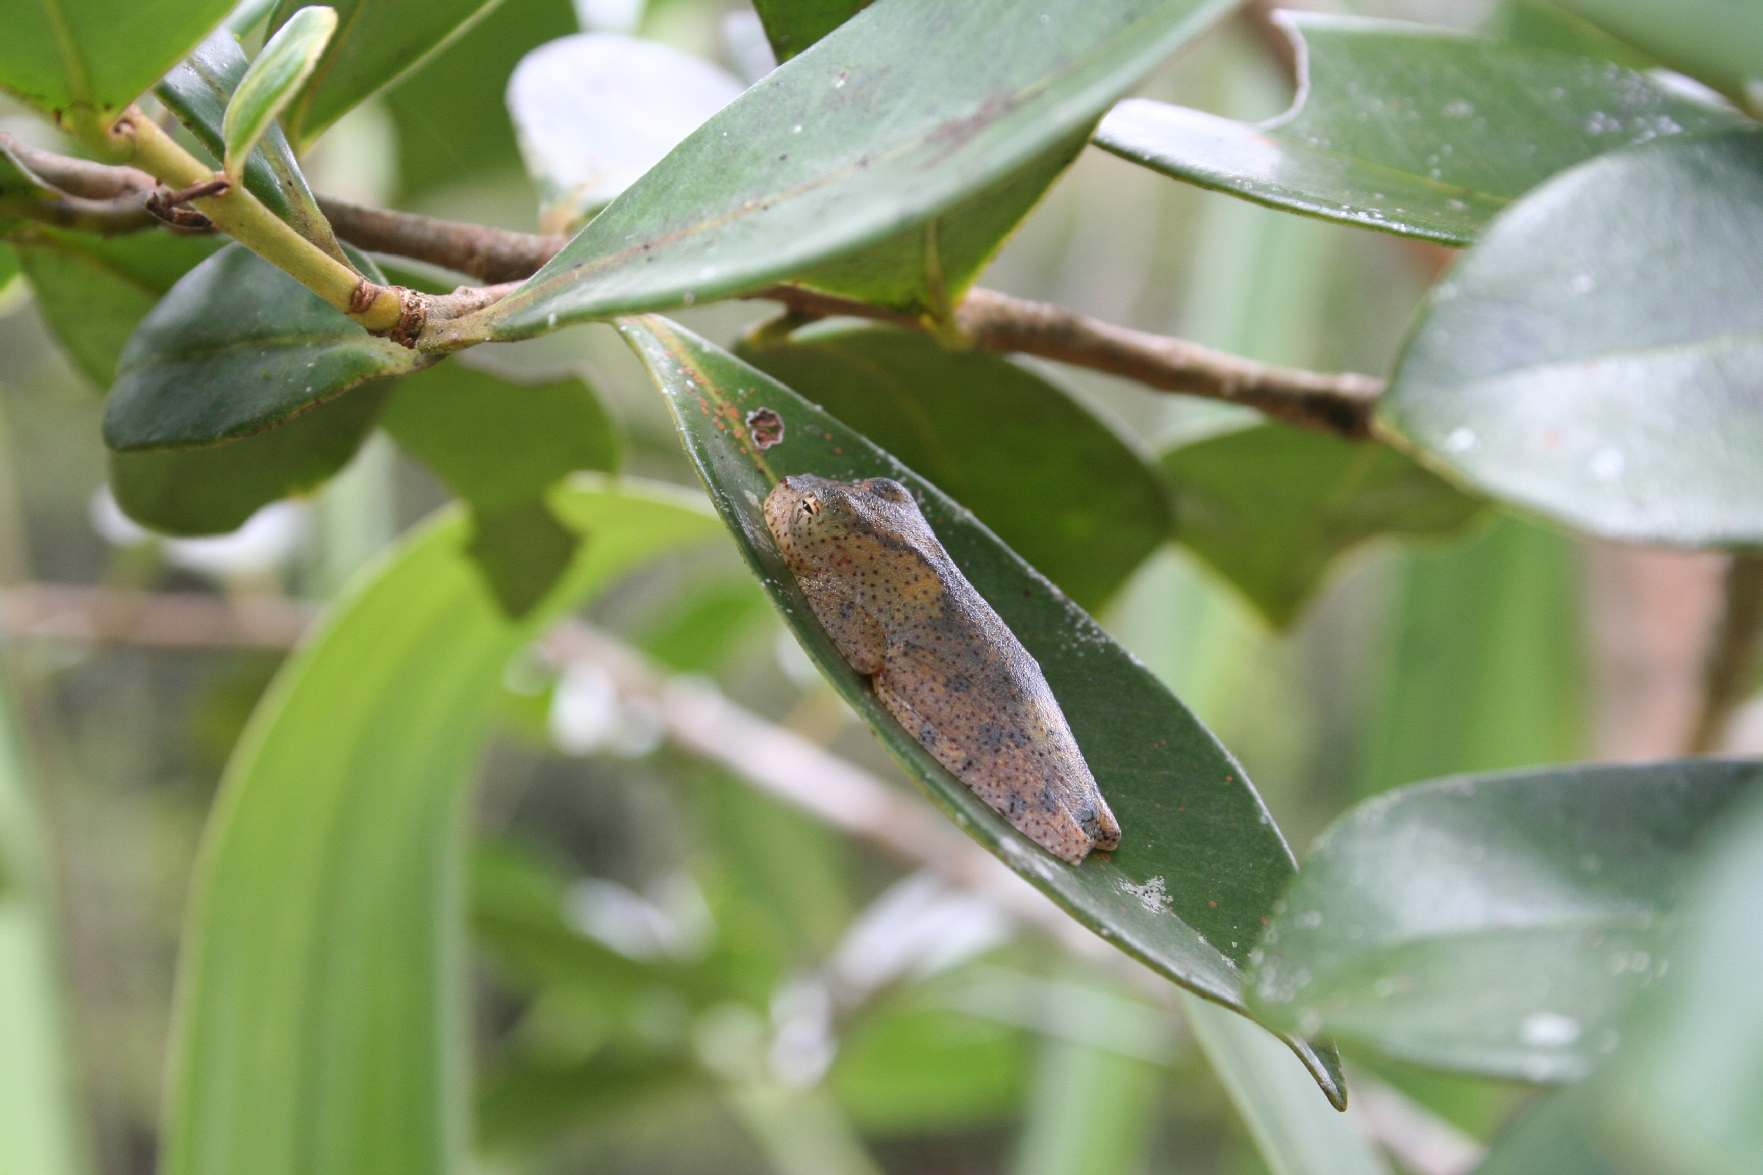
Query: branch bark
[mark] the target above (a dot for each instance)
(1732, 653)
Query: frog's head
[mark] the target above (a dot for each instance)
(811, 516)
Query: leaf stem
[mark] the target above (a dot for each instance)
(239, 214)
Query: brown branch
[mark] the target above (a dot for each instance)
(1732, 653)
(158, 620)
(1338, 403)
(491, 255)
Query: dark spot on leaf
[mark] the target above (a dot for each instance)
(765, 427)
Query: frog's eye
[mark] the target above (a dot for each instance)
(810, 505)
(887, 487)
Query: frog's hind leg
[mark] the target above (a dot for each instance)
(1031, 806)
(855, 632)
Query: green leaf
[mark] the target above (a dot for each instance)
(793, 25)
(198, 92)
(594, 111)
(1689, 1088)
(1272, 508)
(40, 1125)
(1409, 129)
(1545, 369)
(377, 41)
(1718, 41)
(1200, 861)
(500, 444)
(214, 489)
(803, 167)
(287, 60)
(321, 1021)
(1496, 924)
(94, 291)
(994, 435)
(236, 347)
(1540, 24)
(82, 61)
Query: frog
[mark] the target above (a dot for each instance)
(939, 658)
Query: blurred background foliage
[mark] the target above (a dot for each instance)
(674, 971)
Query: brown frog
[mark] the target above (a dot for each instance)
(942, 662)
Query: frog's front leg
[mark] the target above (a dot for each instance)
(855, 631)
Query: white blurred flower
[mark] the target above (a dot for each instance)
(260, 547)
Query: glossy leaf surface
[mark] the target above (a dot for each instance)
(1271, 507)
(875, 130)
(236, 347)
(1496, 924)
(1579, 364)
(1409, 129)
(1200, 861)
(321, 1018)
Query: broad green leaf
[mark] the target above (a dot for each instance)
(198, 92)
(286, 61)
(94, 291)
(1718, 41)
(1056, 483)
(39, 1122)
(1579, 364)
(82, 61)
(914, 1069)
(376, 42)
(451, 115)
(321, 1020)
(594, 111)
(1497, 924)
(1409, 129)
(793, 25)
(215, 488)
(500, 444)
(1445, 694)
(1094, 1109)
(1559, 1134)
(874, 131)
(1690, 1088)
(495, 440)
(1541, 24)
(1200, 862)
(1292, 1130)
(1271, 508)
(236, 347)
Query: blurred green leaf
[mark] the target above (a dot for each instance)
(1494, 924)
(793, 25)
(704, 625)
(801, 170)
(198, 91)
(321, 1026)
(994, 435)
(524, 1105)
(1410, 130)
(1559, 1134)
(1545, 367)
(1200, 862)
(1690, 1088)
(238, 346)
(281, 68)
(1092, 1110)
(594, 111)
(376, 42)
(499, 443)
(1540, 24)
(1272, 507)
(94, 291)
(40, 1130)
(495, 439)
(1293, 1133)
(1718, 41)
(451, 117)
(214, 489)
(1450, 695)
(904, 1069)
(82, 61)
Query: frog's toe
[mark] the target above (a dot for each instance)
(1101, 826)
(1054, 828)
